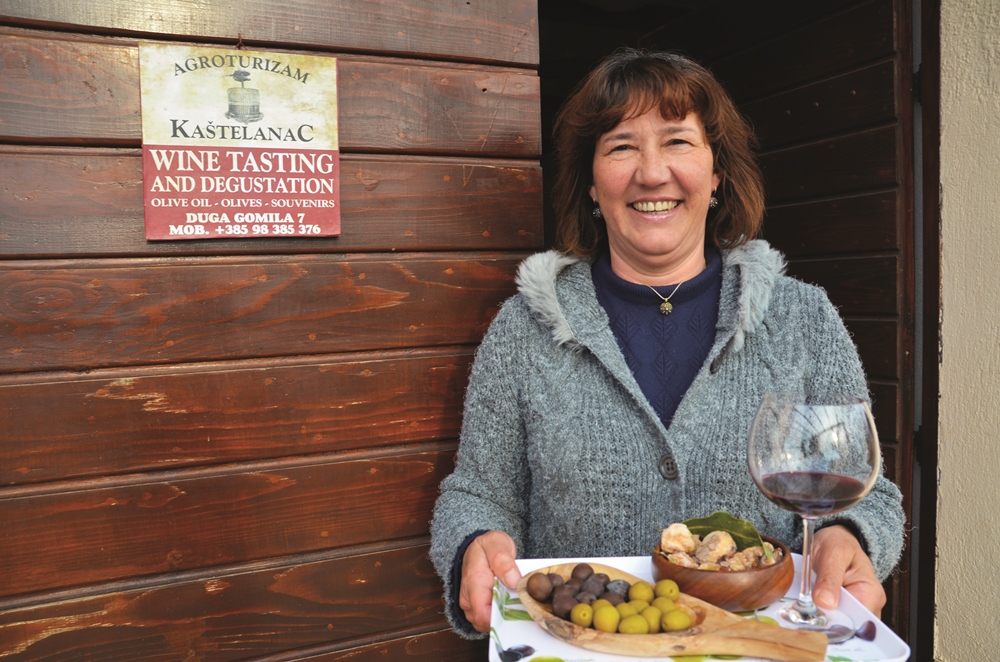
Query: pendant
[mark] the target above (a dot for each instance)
(666, 307)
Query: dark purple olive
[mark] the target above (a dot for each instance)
(562, 605)
(515, 653)
(586, 597)
(613, 598)
(866, 631)
(556, 579)
(582, 570)
(539, 586)
(594, 585)
(619, 586)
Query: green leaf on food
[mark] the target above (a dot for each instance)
(743, 531)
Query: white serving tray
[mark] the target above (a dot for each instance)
(517, 629)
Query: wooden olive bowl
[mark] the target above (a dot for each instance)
(733, 591)
(713, 632)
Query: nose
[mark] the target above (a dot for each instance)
(654, 169)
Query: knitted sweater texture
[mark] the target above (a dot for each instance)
(560, 448)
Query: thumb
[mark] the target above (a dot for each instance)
(826, 593)
(500, 552)
(506, 569)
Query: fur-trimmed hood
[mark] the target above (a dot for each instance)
(748, 276)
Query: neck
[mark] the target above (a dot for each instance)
(659, 273)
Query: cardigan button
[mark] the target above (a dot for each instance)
(668, 467)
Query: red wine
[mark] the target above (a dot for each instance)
(812, 493)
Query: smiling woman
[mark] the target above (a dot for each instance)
(653, 180)
(609, 102)
(599, 412)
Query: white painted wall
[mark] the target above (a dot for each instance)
(968, 576)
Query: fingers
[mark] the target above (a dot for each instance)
(839, 562)
(490, 555)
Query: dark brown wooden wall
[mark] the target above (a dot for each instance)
(230, 449)
(826, 86)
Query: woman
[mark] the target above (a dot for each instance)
(612, 396)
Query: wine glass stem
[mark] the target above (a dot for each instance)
(805, 604)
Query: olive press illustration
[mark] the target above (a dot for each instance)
(244, 102)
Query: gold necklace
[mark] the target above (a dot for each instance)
(666, 306)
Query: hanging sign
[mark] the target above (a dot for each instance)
(238, 144)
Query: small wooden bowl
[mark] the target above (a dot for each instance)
(733, 591)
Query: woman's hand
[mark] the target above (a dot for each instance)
(839, 561)
(490, 555)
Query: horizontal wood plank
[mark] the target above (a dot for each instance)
(79, 201)
(246, 614)
(487, 30)
(877, 345)
(841, 42)
(854, 163)
(885, 410)
(724, 27)
(440, 646)
(856, 100)
(890, 461)
(196, 520)
(834, 226)
(858, 286)
(74, 91)
(91, 314)
(209, 414)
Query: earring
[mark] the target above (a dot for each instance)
(597, 212)
(713, 202)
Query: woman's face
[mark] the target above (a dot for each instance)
(653, 179)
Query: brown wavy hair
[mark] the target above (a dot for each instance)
(627, 84)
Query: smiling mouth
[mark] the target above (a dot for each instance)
(661, 205)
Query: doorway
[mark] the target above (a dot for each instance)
(829, 87)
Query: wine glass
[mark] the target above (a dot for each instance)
(815, 455)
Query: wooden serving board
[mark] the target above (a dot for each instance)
(716, 632)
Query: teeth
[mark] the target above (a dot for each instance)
(654, 206)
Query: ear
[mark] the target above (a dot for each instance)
(593, 193)
(716, 180)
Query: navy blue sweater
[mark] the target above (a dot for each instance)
(664, 352)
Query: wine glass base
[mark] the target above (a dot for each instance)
(837, 625)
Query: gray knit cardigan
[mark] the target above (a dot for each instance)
(560, 448)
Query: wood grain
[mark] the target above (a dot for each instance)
(860, 223)
(90, 314)
(199, 519)
(886, 406)
(858, 286)
(855, 100)
(712, 31)
(73, 91)
(877, 342)
(81, 201)
(440, 646)
(487, 30)
(890, 463)
(259, 610)
(858, 162)
(123, 421)
(841, 42)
